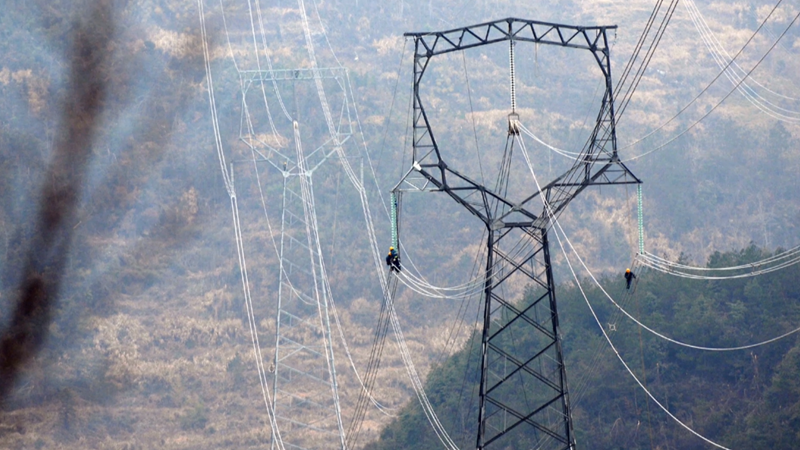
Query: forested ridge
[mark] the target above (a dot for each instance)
(149, 344)
(741, 399)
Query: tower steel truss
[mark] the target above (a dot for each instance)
(305, 396)
(523, 389)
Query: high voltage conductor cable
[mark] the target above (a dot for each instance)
(367, 388)
(438, 428)
(430, 414)
(626, 98)
(564, 153)
(554, 220)
(227, 36)
(267, 57)
(582, 381)
(672, 271)
(313, 237)
(637, 48)
(631, 88)
(674, 138)
(778, 94)
(228, 181)
(716, 50)
(721, 56)
(212, 103)
(472, 112)
(791, 253)
(388, 121)
(435, 293)
(251, 320)
(373, 362)
(654, 332)
(325, 33)
(616, 352)
(431, 293)
(258, 65)
(291, 286)
(474, 285)
(420, 285)
(376, 351)
(461, 317)
(582, 385)
(700, 94)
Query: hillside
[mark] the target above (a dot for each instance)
(740, 399)
(149, 344)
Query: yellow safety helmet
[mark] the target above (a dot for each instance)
(627, 270)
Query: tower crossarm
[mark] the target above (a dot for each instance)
(584, 173)
(440, 42)
(476, 198)
(598, 163)
(481, 201)
(251, 76)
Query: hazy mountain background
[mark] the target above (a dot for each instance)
(149, 344)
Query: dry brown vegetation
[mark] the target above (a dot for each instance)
(150, 346)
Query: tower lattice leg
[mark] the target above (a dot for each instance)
(523, 379)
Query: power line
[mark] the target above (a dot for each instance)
(690, 127)
(556, 228)
(721, 57)
(652, 331)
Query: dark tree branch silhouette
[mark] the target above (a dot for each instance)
(48, 250)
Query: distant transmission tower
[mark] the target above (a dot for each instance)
(523, 389)
(305, 393)
(305, 398)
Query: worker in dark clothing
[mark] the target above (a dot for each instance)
(393, 260)
(389, 259)
(629, 277)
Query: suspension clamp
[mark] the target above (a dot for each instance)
(513, 124)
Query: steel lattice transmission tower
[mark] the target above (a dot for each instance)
(304, 387)
(523, 389)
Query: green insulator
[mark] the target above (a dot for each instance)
(641, 220)
(394, 220)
